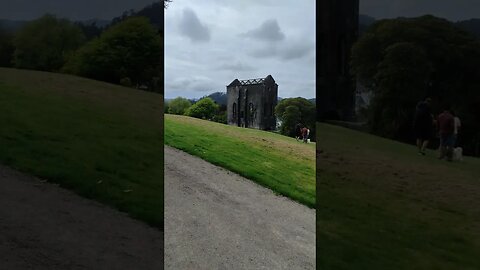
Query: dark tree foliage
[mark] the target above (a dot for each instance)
(293, 111)
(90, 31)
(152, 12)
(6, 48)
(131, 49)
(472, 26)
(407, 59)
(46, 43)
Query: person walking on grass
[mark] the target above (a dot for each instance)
(305, 134)
(423, 125)
(298, 131)
(446, 126)
(457, 126)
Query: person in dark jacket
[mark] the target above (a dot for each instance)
(298, 131)
(423, 125)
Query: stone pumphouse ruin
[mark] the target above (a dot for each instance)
(251, 103)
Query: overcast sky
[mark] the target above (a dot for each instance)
(210, 43)
(453, 10)
(72, 9)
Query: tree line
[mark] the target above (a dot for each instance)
(405, 60)
(128, 52)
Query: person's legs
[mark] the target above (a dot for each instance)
(449, 147)
(442, 147)
(424, 146)
(419, 144)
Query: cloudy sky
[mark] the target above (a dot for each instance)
(450, 9)
(210, 43)
(72, 9)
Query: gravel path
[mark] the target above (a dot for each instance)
(45, 227)
(215, 219)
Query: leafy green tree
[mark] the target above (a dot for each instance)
(89, 30)
(131, 48)
(291, 117)
(205, 108)
(6, 48)
(405, 60)
(46, 43)
(293, 111)
(401, 84)
(179, 105)
(166, 106)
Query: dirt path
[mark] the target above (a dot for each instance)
(215, 219)
(45, 227)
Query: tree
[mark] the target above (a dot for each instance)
(179, 105)
(90, 31)
(46, 43)
(6, 48)
(292, 111)
(290, 118)
(405, 60)
(401, 80)
(130, 49)
(205, 108)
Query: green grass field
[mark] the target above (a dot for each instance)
(381, 206)
(100, 140)
(274, 161)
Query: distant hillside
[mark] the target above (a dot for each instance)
(152, 12)
(11, 25)
(219, 98)
(472, 26)
(364, 21)
(96, 22)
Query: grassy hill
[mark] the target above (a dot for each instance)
(382, 206)
(274, 161)
(102, 141)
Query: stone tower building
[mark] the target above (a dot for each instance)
(251, 103)
(336, 33)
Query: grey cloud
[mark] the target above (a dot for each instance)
(269, 30)
(266, 52)
(193, 28)
(297, 50)
(195, 83)
(290, 51)
(236, 66)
